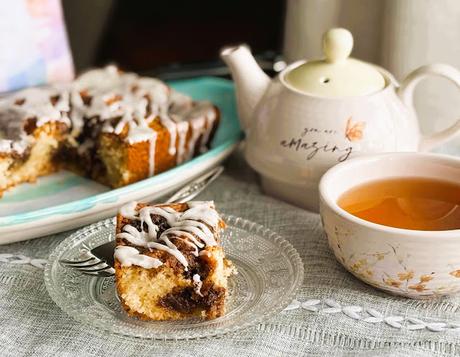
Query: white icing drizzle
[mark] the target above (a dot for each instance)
(207, 132)
(134, 236)
(19, 146)
(197, 126)
(37, 104)
(191, 226)
(159, 106)
(33, 103)
(187, 235)
(197, 284)
(118, 101)
(192, 245)
(129, 256)
(171, 249)
(182, 129)
(152, 143)
(129, 210)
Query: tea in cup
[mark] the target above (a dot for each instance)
(416, 203)
(393, 220)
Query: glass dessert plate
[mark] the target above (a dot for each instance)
(269, 273)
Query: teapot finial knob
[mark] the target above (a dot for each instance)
(337, 45)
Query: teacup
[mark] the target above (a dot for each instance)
(415, 264)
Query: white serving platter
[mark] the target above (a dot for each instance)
(64, 201)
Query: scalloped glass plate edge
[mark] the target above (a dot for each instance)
(234, 224)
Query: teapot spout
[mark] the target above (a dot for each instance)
(250, 80)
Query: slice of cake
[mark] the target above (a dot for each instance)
(169, 263)
(114, 127)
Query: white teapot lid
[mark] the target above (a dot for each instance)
(337, 75)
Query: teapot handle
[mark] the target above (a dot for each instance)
(406, 93)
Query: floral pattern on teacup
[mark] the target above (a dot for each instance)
(387, 269)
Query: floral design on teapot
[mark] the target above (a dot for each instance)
(354, 131)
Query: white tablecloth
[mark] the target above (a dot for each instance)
(334, 314)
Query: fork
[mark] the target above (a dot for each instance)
(101, 262)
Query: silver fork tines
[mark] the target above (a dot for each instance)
(90, 266)
(80, 263)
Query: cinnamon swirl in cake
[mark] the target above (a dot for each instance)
(169, 262)
(114, 127)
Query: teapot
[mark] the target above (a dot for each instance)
(315, 114)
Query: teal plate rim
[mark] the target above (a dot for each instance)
(113, 195)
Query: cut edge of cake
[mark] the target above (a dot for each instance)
(37, 160)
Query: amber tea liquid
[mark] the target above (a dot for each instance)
(409, 203)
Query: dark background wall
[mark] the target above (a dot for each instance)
(144, 34)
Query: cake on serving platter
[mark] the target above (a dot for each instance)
(169, 262)
(114, 127)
